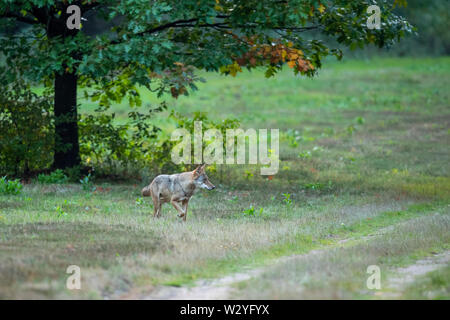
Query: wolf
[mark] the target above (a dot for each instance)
(177, 189)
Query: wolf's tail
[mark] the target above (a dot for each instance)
(146, 191)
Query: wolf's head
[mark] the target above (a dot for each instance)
(201, 179)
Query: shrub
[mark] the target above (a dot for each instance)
(106, 144)
(251, 211)
(56, 176)
(86, 183)
(26, 129)
(287, 199)
(74, 173)
(10, 186)
(136, 144)
(60, 212)
(189, 123)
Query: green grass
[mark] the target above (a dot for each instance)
(340, 273)
(434, 285)
(304, 241)
(371, 152)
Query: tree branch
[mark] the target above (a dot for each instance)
(188, 23)
(159, 28)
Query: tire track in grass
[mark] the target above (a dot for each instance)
(407, 275)
(221, 288)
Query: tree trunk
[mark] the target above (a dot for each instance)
(67, 150)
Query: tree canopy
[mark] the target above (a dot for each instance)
(123, 44)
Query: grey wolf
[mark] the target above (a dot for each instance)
(177, 189)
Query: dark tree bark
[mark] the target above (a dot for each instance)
(67, 150)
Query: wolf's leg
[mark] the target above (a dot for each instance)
(156, 205)
(176, 205)
(158, 212)
(185, 207)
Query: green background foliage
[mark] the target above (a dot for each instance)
(124, 47)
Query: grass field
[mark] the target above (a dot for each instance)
(364, 177)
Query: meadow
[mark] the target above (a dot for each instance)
(364, 179)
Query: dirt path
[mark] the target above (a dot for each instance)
(221, 288)
(216, 289)
(203, 289)
(406, 276)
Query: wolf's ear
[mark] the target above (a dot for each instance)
(198, 170)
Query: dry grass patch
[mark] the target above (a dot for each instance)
(340, 273)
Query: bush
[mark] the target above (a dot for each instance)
(10, 186)
(112, 148)
(108, 145)
(188, 124)
(56, 176)
(86, 183)
(138, 144)
(252, 212)
(26, 129)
